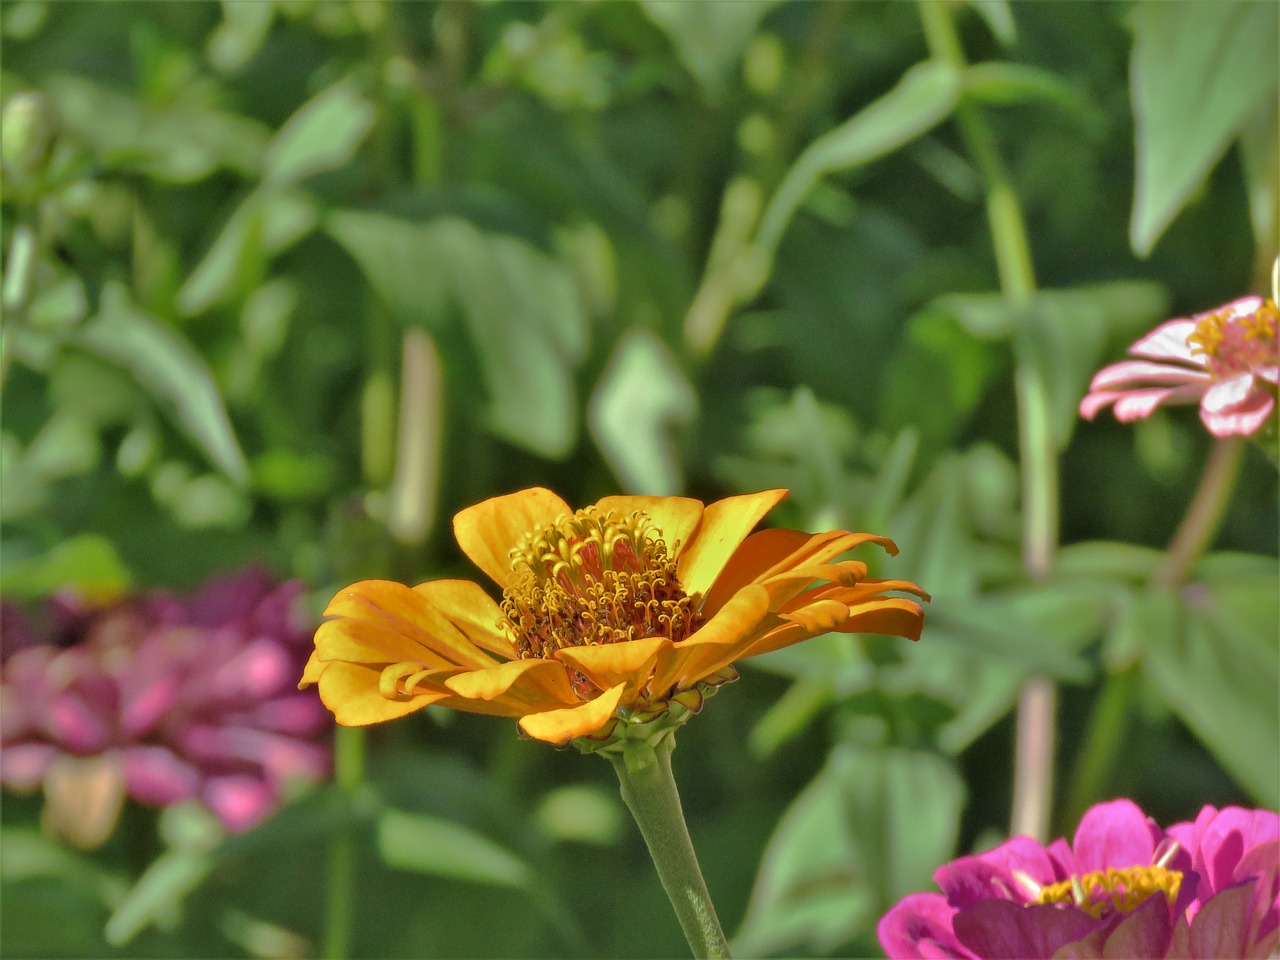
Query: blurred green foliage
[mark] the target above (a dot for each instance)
(294, 280)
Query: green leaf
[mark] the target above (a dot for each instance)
(443, 848)
(521, 307)
(158, 895)
(998, 15)
(243, 29)
(642, 396)
(869, 829)
(170, 370)
(85, 562)
(322, 135)
(708, 37)
(1197, 72)
(1107, 559)
(998, 82)
(1217, 667)
(923, 98)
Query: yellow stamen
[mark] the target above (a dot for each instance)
(1114, 891)
(595, 577)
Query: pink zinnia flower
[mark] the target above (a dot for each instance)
(1226, 360)
(1122, 888)
(160, 700)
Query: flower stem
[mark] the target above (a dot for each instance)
(348, 764)
(1037, 446)
(649, 790)
(1204, 514)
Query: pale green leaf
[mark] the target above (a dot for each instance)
(322, 135)
(170, 371)
(708, 37)
(642, 396)
(443, 848)
(1199, 69)
(923, 98)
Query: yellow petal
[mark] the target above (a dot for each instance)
(676, 517)
(733, 628)
(394, 606)
(350, 690)
(561, 726)
(725, 524)
(311, 672)
(488, 531)
(527, 682)
(606, 664)
(472, 611)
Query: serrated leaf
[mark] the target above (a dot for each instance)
(1197, 72)
(642, 396)
(170, 371)
(923, 98)
(323, 134)
(443, 848)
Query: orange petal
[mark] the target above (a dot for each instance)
(350, 690)
(359, 641)
(733, 628)
(489, 531)
(607, 664)
(822, 616)
(561, 726)
(394, 606)
(725, 524)
(527, 682)
(851, 595)
(785, 550)
(676, 517)
(472, 611)
(891, 616)
(785, 586)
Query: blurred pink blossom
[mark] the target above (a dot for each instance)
(162, 700)
(1122, 888)
(1226, 360)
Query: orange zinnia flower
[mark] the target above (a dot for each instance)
(624, 612)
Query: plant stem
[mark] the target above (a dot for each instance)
(1037, 446)
(348, 766)
(649, 790)
(1204, 514)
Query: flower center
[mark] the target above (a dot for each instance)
(595, 577)
(1104, 892)
(1234, 343)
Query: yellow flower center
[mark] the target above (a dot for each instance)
(1104, 892)
(595, 577)
(1232, 344)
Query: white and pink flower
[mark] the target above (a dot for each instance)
(1225, 359)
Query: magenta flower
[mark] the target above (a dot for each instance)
(161, 700)
(1226, 360)
(1122, 888)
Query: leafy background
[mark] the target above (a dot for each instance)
(294, 281)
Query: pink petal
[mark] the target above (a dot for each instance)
(1244, 420)
(1140, 404)
(23, 765)
(1144, 371)
(1226, 395)
(157, 777)
(1114, 834)
(920, 926)
(1168, 342)
(1269, 374)
(239, 802)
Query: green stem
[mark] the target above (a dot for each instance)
(1204, 514)
(1106, 731)
(1037, 448)
(649, 789)
(348, 766)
